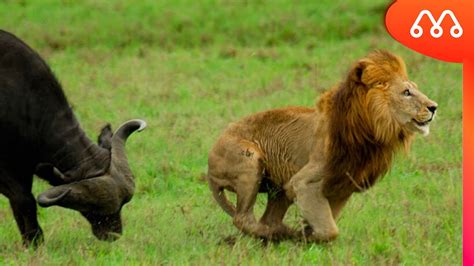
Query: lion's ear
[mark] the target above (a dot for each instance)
(357, 71)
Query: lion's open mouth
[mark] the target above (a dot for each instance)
(422, 124)
(422, 127)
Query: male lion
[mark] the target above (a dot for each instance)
(317, 157)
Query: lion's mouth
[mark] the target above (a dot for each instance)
(422, 124)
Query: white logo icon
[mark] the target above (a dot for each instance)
(436, 31)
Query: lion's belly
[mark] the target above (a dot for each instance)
(280, 172)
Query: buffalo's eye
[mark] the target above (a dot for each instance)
(407, 92)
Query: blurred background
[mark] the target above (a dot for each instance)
(191, 67)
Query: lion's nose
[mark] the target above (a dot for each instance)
(432, 108)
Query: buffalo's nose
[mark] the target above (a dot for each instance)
(432, 108)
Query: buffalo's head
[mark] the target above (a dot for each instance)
(100, 199)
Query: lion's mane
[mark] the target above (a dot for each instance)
(362, 134)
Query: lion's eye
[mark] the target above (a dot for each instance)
(407, 92)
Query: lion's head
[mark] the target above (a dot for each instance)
(372, 113)
(410, 107)
(392, 101)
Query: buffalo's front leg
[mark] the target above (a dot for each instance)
(23, 204)
(24, 210)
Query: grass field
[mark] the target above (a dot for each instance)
(189, 69)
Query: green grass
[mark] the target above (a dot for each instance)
(189, 69)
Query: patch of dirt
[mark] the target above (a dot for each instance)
(438, 168)
(228, 240)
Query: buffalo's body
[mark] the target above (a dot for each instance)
(40, 134)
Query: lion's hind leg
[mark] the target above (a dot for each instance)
(244, 218)
(236, 164)
(246, 187)
(277, 206)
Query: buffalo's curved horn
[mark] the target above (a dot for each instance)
(119, 158)
(50, 173)
(52, 197)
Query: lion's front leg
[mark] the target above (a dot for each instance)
(316, 210)
(317, 213)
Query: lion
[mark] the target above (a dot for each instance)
(318, 157)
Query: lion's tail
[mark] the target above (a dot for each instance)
(219, 196)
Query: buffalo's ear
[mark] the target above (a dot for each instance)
(105, 137)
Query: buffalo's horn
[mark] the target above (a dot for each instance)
(119, 158)
(48, 172)
(58, 173)
(52, 197)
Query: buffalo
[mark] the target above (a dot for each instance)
(39, 134)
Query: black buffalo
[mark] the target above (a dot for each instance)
(39, 134)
